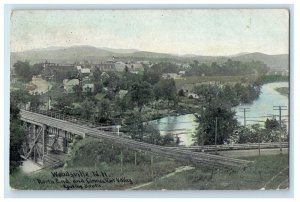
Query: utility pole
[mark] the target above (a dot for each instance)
(121, 161)
(280, 108)
(118, 128)
(216, 135)
(152, 167)
(244, 110)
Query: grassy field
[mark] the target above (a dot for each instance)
(191, 81)
(90, 156)
(266, 172)
(141, 173)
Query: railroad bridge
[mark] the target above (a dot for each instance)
(46, 134)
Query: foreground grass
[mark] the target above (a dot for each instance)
(134, 175)
(89, 155)
(266, 172)
(118, 164)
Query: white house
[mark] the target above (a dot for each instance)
(193, 95)
(181, 73)
(89, 87)
(85, 71)
(78, 67)
(171, 75)
(69, 84)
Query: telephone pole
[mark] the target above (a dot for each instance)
(216, 135)
(245, 109)
(280, 108)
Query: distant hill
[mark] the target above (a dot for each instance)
(273, 61)
(114, 50)
(96, 55)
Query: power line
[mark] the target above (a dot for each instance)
(245, 109)
(280, 108)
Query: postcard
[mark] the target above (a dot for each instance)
(152, 99)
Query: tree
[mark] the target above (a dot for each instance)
(23, 69)
(272, 124)
(20, 96)
(181, 93)
(123, 104)
(226, 125)
(98, 87)
(157, 92)
(35, 102)
(135, 125)
(168, 139)
(151, 76)
(243, 135)
(16, 135)
(207, 93)
(78, 90)
(104, 110)
(272, 130)
(168, 90)
(152, 135)
(126, 70)
(87, 109)
(228, 96)
(63, 105)
(141, 94)
(251, 134)
(37, 69)
(97, 75)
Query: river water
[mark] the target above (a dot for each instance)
(184, 126)
(262, 108)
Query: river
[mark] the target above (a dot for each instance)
(185, 125)
(262, 108)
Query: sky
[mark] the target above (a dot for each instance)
(191, 31)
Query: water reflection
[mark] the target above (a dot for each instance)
(185, 125)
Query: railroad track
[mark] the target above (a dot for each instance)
(168, 152)
(247, 146)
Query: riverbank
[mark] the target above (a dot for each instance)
(262, 108)
(283, 91)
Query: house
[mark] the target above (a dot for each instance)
(186, 66)
(69, 84)
(85, 71)
(132, 67)
(88, 87)
(78, 67)
(106, 66)
(122, 93)
(181, 73)
(171, 76)
(192, 95)
(104, 75)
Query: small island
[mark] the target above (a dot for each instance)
(283, 91)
